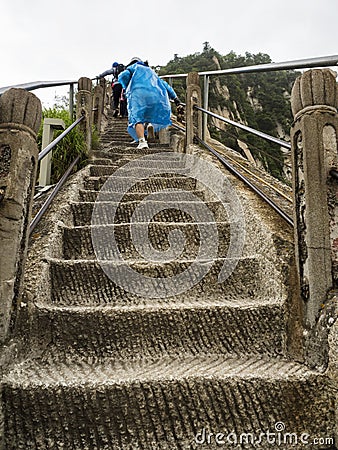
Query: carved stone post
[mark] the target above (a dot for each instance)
(107, 93)
(20, 118)
(314, 154)
(84, 108)
(194, 117)
(107, 99)
(98, 107)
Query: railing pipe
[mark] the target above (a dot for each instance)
(206, 81)
(49, 147)
(322, 61)
(334, 173)
(71, 100)
(49, 200)
(250, 130)
(37, 85)
(247, 182)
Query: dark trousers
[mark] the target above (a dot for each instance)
(117, 89)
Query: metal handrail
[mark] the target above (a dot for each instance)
(235, 172)
(37, 85)
(334, 173)
(322, 61)
(50, 146)
(49, 200)
(62, 180)
(246, 128)
(247, 182)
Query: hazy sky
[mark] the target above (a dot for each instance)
(68, 39)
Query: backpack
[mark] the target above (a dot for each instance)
(116, 72)
(120, 68)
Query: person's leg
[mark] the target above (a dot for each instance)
(139, 128)
(150, 133)
(117, 88)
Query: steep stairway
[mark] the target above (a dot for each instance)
(115, 364)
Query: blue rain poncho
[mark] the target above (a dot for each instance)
(147, 96)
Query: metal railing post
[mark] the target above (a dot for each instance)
(20, 118)
(71, 101)
(206, 82)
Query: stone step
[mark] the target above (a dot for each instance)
(92, 196)
(116, 128)
(138, 169)
(157, 329)
(128, 143)
(113, 160)
(78, 242)
(119, 149)
(123, 283)
(117, 133)
(167, 404)
(118, 140)
(128, 156)
(110, 212)
(152, 184)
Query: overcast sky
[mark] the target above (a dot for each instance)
(67, 39)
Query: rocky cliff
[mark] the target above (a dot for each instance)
(259, 100)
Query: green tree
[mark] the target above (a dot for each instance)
(260, 100)
(72, 145)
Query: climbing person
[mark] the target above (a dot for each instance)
(148, 99)
(123, 104)
(116, 69)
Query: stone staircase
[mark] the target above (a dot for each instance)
(105, 367)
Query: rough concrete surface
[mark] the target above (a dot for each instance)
(101, 366)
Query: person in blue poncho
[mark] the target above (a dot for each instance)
(147, 98)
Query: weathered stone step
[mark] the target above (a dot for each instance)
(127, 143)
(152, 184)
(84, 282)
(101, 161)
(117, 134)
(139, 168)
(116, 126)
(166, 404)
(92, 196)
(110, 212)
(78, 242)
(129, 155)
(118, 148)
(116, 141)
(129, 332)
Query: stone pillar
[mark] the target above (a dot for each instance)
(98, 107)
(85, 108)
(107, 93)
(107, 100)
(49, 126)
(193, 116)
(20, 118)
(314, 154)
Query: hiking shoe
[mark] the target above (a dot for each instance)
(150, 132)
(142, 144)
